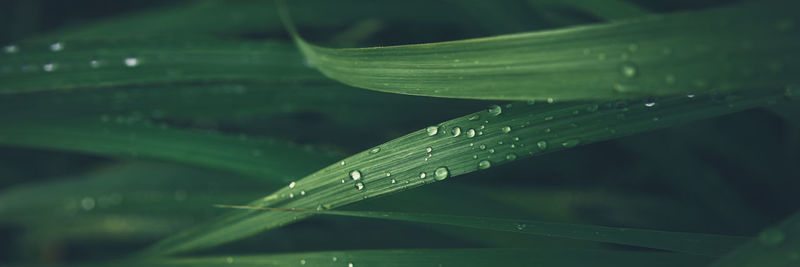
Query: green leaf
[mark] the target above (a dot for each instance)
(692, 243)
(474, 142)
(446, 257)
(775, 246)
(686, 53)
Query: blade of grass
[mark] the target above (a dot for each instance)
(778, 245)
(692, 243)
(467, 144)
(727, 49)
(267, 160)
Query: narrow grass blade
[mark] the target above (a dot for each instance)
(692, 243)
(727, 49)
(446, 257)
(267, 160)
(776, 246)
(474, 142)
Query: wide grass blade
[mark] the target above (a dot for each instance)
(446, 257)
(777, 246)
(727, 49)
(692, 243)
(474, 142)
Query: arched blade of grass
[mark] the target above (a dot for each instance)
(446, 257)
(692, 243)
(727, 49)
(474, 142)
(267, 160)
(776, 246)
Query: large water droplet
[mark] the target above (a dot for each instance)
(456, 131)
(432, 130)
(506, 129)
(359, 186)
(484, 164)
(495, 110)
(570, 143)
(470, 133)
(131, 62)
(542, 144)
(628, 70)
(441, 173)
(355, 174)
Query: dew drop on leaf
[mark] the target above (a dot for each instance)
(506, 129)
(50, 67)
(10, 49)
(495, 110)
(441, 173)
(375, 150)
(292, 184)
(456, 131)
(511, 156)
(422, 175)
(359, 186)
(432, 130)
(131, 62)
(355, 174)
(470, 133)
(628, 70)
(542, 144)
(484, 164)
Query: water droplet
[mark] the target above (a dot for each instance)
(302, 261)
(506, 129)
(521, 226)
(495, 110)
(342, 163)
(570, 143)
(491, 151)
(650, 103)
(422, 175)
(131, 62)
(470, 133)
(771, 237)
(355, 175)
(548, 118)
(229, 260)
(550, 100)
(11, 49)
(50, 67)
(482, 146)
(334, 259)
(291, 195)
(432, 130)
(359, 186)
(87, 203)
(484, 164)
(302, 192)
(94, 64)
(350, 264)
(511, 156)
(57, 46)
(428, 149)
(456, 131)
(690, 95)
(394, 181)
(292, 184)
(542, 144)
(628, 70)
(516, 139)
(441, 173)
(388, 174)
(375, 150)
(474, 117)
(547, 130)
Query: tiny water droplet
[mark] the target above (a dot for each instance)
(690, 95)
(229, 260)
(302, 192)
(388, 174)
(550, 100)
(650, 103)
(474, 117)
(470, 133)
(394, 181)
(87, 203)
(542, 144)
(375, 150)
(570, 143)
(350, 264)
(484, 164)
(491, 151)
(50, 67)
(511, 156)
(359, 186)
(521, 226)
(548, 118)
(432, 130)
(482, 146)
(506, 129)
(428, 149)
(94, 64)
(422, 175)
(628, 70)
(131, 62)
(302, 262)
(334, 259)
(355, 175)
(57, 46)
(495, 110)
(342, 163)
(292, 184)
(456, 131)
(11, 49)
(441, 173)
